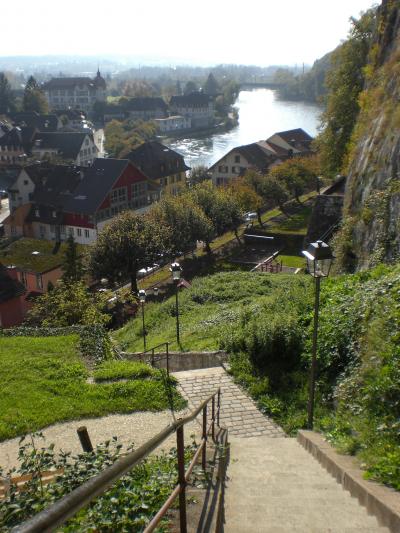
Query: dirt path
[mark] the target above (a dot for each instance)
(136, 427)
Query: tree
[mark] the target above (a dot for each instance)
(220, 207)
(186, 220)
(211, 85)
(190, 87)
(247, 197)
(7, 98)
(299, 174)
(68, 303)
(345, 81)
(73, 264)
(274, 192)
(129, 242)
(254, 180)
(198, 174)
(34, 98)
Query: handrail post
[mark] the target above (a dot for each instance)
(219, 405)
(167, 348)
(181, 478)
(204, 437)
(213, 418)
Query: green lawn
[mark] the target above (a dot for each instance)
(44, 381)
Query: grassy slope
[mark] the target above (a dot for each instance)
(44, 381)
(265, 321)
(210, 304)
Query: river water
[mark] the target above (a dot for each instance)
(261, 114)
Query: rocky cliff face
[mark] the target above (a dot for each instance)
(371, 229)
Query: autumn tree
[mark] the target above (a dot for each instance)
(247, 196)
(129, 242)
(34, 98)
(299, 174)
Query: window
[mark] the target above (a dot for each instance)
(234, 170)
(237, 158)
(87, 233)
(25, 182)
(39, 281)
(13, 230)
(23, 277)
(42, 231)
(138, 189)
(54, 214)
(71, 231)
(37, 213)
(79, 232)
(178, 177)
(62, 230)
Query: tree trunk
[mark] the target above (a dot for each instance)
(134, 285)
(259, 217)
(237, 236)
(282, 208)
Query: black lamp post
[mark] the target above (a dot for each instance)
(142, 300)
(176, 276)
(319, 260)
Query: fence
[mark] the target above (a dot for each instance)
(58, 513)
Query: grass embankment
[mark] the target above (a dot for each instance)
(206, 310)
(265, 322)
(44, 381)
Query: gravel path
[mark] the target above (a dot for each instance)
(136, 427)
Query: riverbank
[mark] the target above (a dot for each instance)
(261, 114)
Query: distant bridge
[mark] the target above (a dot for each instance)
(260, 85)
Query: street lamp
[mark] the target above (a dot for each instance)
(142, 299)
(319, 260)
(176, 276)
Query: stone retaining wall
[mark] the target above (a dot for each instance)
(179, 361)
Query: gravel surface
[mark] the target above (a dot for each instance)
(137, 428)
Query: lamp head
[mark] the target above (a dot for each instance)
(319, 259)
(176, 271)
(142, 296)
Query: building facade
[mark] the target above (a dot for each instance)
(197, 106)
(76, 93)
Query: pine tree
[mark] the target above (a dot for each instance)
(73, 264)
(7, 98)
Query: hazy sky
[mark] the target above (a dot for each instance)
(259, 32)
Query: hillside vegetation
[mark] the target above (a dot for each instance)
(265, 323)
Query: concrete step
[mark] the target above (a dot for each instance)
(274, 485)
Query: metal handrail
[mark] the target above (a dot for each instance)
(58, 513)
(151, 350)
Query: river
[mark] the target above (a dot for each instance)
(261, 114)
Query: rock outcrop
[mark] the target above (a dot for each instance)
(371, 228)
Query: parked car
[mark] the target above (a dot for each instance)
(148, 270)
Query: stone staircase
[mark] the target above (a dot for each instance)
(273, 484)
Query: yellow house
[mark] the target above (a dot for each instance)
(161, 164)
